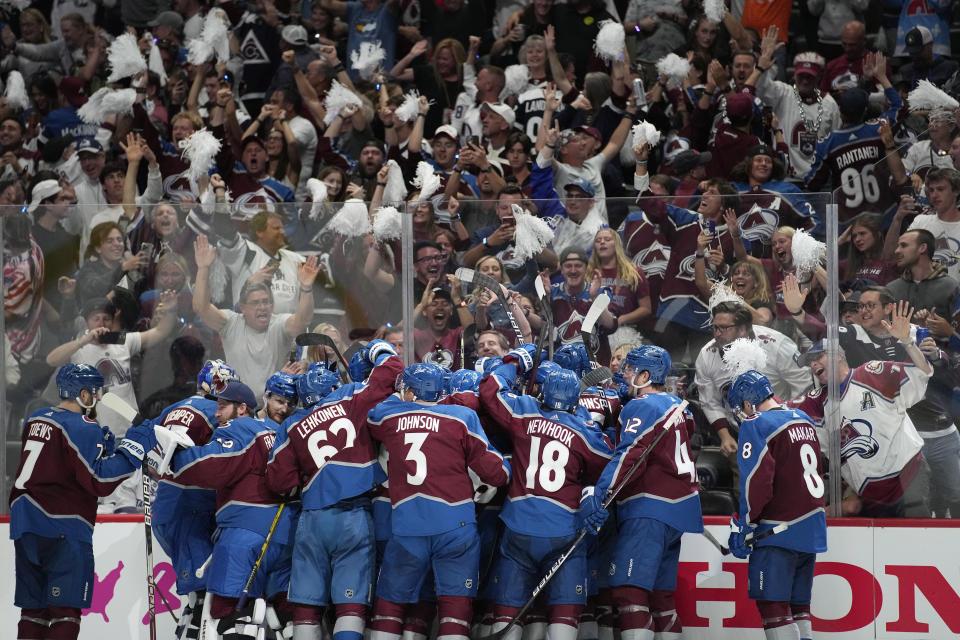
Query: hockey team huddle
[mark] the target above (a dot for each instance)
(494, 501)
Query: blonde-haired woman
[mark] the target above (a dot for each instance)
(610, 267)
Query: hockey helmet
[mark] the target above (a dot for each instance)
(751, 386)
(315, 384)
(656, 360)
(425, 380)
(561, 390)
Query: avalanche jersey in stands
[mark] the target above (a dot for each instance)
(624, 299)
(430, 448)
(679, 297)
(198, 415)
(878, 442)
(559, 451)
(781, 479)
(173, 167)
(569, 312)
(445, 352)
(66, 463)
(665, 486)
(853, 160)
(765, 208)
(530, 106)
(329, 447)
(234, 463)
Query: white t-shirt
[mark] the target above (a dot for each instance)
(564, 174)
(948, 240)
(255, 355)
(113, 363)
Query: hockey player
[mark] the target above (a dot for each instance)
(879, 445)
(279, 398)
(67, 461)
(234, 463)
(183, 517)
(329, 453)
(560, 452)
(431, 447)
(780, 482)
(658, 503)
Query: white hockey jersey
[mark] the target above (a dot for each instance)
(877, 437)
(714, 375)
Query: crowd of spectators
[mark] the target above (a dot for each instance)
(115, 255)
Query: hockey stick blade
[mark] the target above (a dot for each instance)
(545, 307)
(599, 305)
(112, 401)
(595, 378)
(716, 543)
(310, 339)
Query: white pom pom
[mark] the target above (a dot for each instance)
(218, 282)
(338, 96)
(927, 97)
(517, 78)
(119, 101)
(720, 292)
(426, 180)
(367, 59)
(124, 58)
(646, 132)
(744, 354)
(155, 63)
(387, 224)
(532, 234)
(18, 4)
(214, 41)
(352, 219)
(714, 10)
(806, 251)
(408, 110)
(610, 41)
(92, 112)
(318, 194)
(16, 91)
(673, 69)
(198, 51)
(200, 150)
(396, 190)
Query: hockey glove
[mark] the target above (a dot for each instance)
(738, 538)
(137, 441)
(592, 512)
(523, 356)
(379, 350)
(482, 493)
(168, 439)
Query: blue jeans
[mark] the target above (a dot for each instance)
(943, 456)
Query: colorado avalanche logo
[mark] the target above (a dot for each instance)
(113, 374)
(758, 224)
(510, 259)
(569, 331)
(856, 439)
(177, 187)
(443, 358)
(653, 260)
(250, 204)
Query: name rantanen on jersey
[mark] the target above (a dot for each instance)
(871, 152)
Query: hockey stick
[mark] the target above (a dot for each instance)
(256, 565)
(321, 339)
(590, 341)
(546, 332)
(595, 378)
(750, 539)
(202, 569)
(118, 404)
(669, 423)
(480, 280)
(547, 311)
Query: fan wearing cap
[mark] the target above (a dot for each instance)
(248, 181)
(576, 152)
(50, 204)
(924, 63)
(293, 37)
(855, 158)
(489, 83)
(234, 463)
(805, 115)
(438, 342)
(733, 136)
(689, 170)
(571, 298)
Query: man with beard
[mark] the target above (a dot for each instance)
(249, 183)
(256, 340)
(571, 300)
(732, 320)
(365, 175)
(438, 342)
(804, 115)
(279, 398)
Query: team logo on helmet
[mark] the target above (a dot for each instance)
(856, 439)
